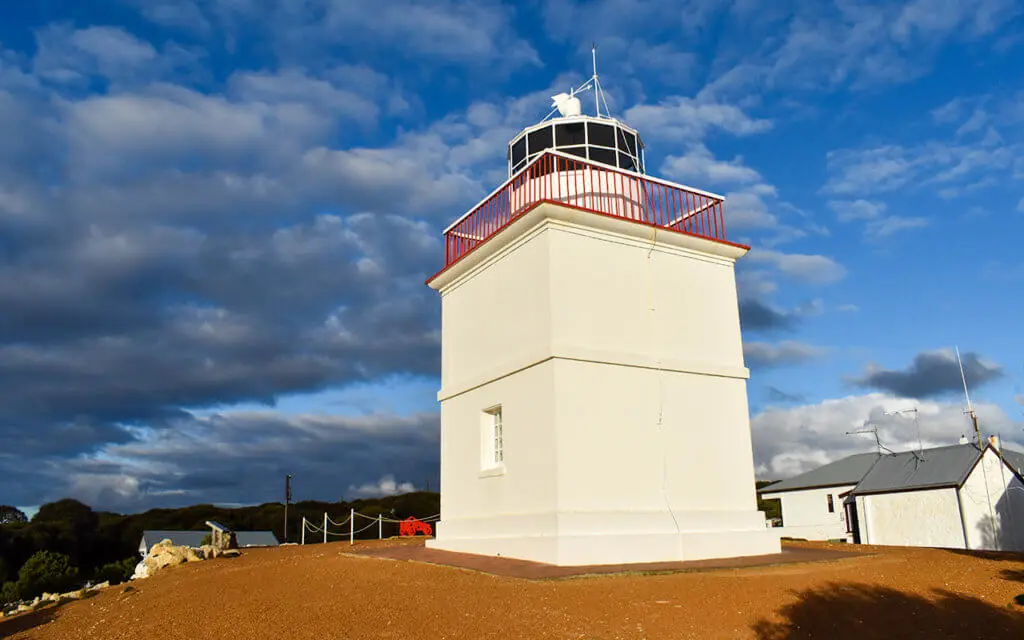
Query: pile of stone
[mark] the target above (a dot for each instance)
(166, 554)
(47, 598)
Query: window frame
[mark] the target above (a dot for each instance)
(492, 441)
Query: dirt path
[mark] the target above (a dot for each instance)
(324, 593)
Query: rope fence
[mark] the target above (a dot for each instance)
(378, 520)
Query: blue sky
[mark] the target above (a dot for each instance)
(216, 217)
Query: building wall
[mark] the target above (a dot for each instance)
(618, 366)
(926, 518)
(992, 498)
(499, 318)
(805, 513)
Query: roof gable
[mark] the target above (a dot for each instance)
(848, 470)
(930, 469)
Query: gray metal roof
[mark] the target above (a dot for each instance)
(256, 539)
(178, 538)
(934, 468)
(195, 538)
(848, 470)
(1016, 460)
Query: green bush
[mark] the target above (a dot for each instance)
(117, 572)
(9, 593)
(207, 539)
(47, 571)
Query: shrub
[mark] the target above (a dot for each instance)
(207, 539)
(9, 593)
(117, 572)
(46, 571)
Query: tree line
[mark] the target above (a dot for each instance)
(66, 543)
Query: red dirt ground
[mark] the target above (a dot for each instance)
(329, 593)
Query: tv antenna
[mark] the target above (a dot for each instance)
(917, 427)
(970, 406)
(873, 431)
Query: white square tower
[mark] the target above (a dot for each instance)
(593, 400)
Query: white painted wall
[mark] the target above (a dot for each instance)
(926, 518)
(993, 505)
(805, 513)
(615, 354)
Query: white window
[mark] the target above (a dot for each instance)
(499, 449)
(492, 440)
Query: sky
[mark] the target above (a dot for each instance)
(217, 216)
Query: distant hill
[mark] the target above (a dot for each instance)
(92, 539)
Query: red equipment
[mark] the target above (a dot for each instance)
(411, 526)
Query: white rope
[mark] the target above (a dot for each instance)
(338, 524)
(346, 533)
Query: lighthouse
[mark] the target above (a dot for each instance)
(593, 390)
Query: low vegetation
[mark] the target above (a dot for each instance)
(66, 543)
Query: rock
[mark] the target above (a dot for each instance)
(141, 571)
(102, 585)
(25, 608)
(230, 553)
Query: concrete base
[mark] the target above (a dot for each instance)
(617, 541)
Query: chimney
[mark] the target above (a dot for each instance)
(993, 441)
(963, 439)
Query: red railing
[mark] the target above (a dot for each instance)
(563, 179)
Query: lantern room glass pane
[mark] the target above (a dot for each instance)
(604, 156)
(627, 142)
(570, 133)
(541, 139)
(626, 162)
(519, 151)
(576, 151)
(601, 134)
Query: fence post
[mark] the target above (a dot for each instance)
(352, 526)
(303, 529)
(325, 527)
(380, 528)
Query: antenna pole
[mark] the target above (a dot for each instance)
(597, 101)
(970, 406)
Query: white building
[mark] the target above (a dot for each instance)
(958, 497)
(812, 502)
(593, 400)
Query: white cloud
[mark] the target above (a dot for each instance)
(386, 486)
(861, 172)
(685, 119)
(699, 166)
(809, 268)
(788, 441)
(877, 225)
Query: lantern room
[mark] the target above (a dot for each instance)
(599, 139)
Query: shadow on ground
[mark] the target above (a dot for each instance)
(852, 611)
(17, 624)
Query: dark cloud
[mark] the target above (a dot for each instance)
(163, 251)
(931, 373)
(756, 315)
(242, 456)
(787, 352)
(778, 395)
